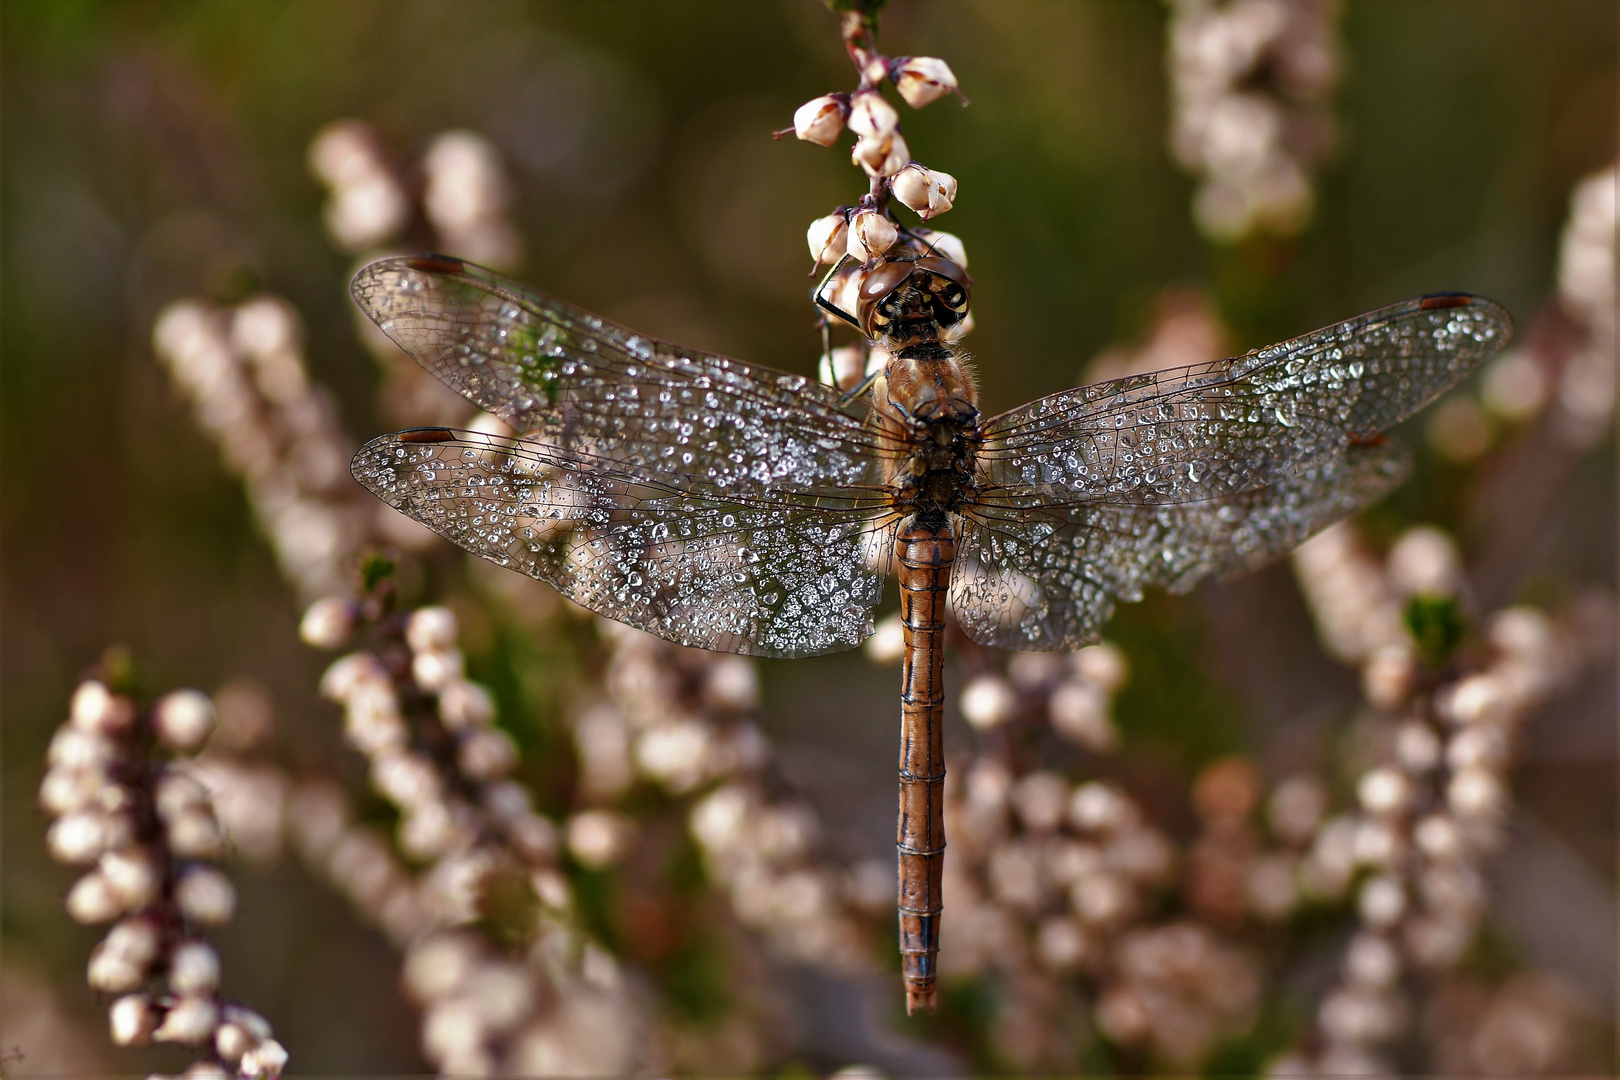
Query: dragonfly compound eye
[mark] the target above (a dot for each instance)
(879, 295)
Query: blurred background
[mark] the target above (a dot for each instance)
(159, 152)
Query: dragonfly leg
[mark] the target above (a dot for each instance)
(925, 549)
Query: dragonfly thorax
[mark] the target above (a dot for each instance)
(928, 408)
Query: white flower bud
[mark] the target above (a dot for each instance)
(911, 186)
(463, 704)
(819, 120)
(328, 623)
(872, 117)
(431, 629)
(1079, 712)
(947, 245)
(1476, 794)
(122, 959)
(195, 834)
(177, 792)
(1061, 944)
(598, 838)
(194, 968)
(205, 1070)
(1382, 901)
(922, 80)
(189, 1021)
(97, 709)
(183, 719)
(433, 671)
(828, 238)
(1102, 664)
(1438, 837)
(486, 753)
(881, 155)
(870, 235)
(132, 1019)
(988, 701)
(1384, 790)
(887, 645)
(205, 895)
(93, 901)
(72, 748)
(232, 1040)
(348, 672)
(78, 839)
(924, 190)
(266, 1059)
(64, 791)
(132, 875)
(1425, 560)
(732, 683)
(1386, 677)
(1097, 807)
(1417, 747)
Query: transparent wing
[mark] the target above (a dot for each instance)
(711, 424)
(1203, 432)
(1048, 577)
(754, 573)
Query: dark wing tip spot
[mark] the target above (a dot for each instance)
(436, 264)
(1441, 301)
(426, 435)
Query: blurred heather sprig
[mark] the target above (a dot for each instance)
(127, 801)
(1249, 82)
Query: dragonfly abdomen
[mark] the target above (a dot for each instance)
(925, 548)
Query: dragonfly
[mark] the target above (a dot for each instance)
(727, 506)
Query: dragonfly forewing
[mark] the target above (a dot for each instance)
(712, 424)
(766, 575)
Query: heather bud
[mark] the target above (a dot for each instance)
(205, 895)
(923, 80)
(870, 235)
(872, 117)
(821, 119)
(328, 623)
(945, 244)
(828, 238)
(924, 190)
(183, 719)
(189, 1021)
(431, 629)
(881, 155)
(133, 1018)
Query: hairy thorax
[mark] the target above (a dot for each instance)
(926, 406)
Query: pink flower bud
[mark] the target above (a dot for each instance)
(870, 235)
(922, 80)
(881, 155)
(819, 120)
(828, 238)
(871, 117)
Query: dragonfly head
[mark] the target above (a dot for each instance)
(906, 301)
